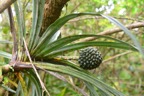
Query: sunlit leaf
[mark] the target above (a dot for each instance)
(5, 42)
(8, 88)
(5, 54)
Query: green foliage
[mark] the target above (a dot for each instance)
(5, 54)
(48, 51)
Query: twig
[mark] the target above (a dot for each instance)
(76, 7)
(25, 4)
(99, 17)
(76, 57)
(69, 57)
(13, 30)
(42, 84)
(5, 4)
(118, 55)
(131, 26)
(115, 30)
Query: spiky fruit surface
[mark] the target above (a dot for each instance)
(89, 58)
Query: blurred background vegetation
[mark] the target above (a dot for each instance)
(122, 69)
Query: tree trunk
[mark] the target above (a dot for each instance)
(52, 11)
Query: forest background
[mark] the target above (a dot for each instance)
(122, 66)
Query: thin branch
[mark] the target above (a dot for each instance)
(116, 56)
(99, 17)
(42, 84)
(76, 57)
(13, 30)
(75, 7)
(69, 57)
(115, 30)
(5, 4)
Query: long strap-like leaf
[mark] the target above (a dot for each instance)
(66, 40)
(77, 46)
(44, 41)
(82, 74)
(38, 6)
(53, 28)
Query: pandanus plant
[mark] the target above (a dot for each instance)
(35, 53)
